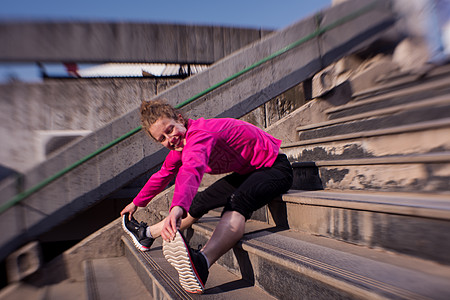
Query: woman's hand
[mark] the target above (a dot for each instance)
(172, 223)
(131, 209)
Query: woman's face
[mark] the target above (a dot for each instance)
(169, 132)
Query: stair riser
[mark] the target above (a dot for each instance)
(380, 122)
(416, 142)
(418, 236)
(279, 281)
(391, 101)
(398, 177)
(414, 177)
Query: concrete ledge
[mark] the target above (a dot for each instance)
(113, 42)
(435, 206)
(51, 141)
(24, 262)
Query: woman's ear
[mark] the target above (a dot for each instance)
(180, 119)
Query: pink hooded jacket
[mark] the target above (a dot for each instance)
(214, 146)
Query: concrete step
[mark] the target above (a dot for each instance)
(161, 278)
(113, 278)
(386, 96)
(381, 111)
(413, 173)
(417, 156)
(407, 77)
(407, 223)
(296, 265)
(398, 80)
(67, 290)
(399, 115)
(419, 138)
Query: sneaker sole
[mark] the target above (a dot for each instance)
(177, 254)
(135, 241)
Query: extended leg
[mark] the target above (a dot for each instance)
(227, 233)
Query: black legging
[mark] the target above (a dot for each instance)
(245, 193)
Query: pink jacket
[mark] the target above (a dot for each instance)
(214, 146)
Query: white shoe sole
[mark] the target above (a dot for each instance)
(177, 254)
(133, 237)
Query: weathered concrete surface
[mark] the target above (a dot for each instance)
(113, 278)
(277, 108)
(69, 264)
(313, 267)
(30, 110)
(121, 42)
(406, 223)
(402, 143)
(361, 73)
(24, 262)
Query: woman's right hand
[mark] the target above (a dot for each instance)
(130, 209)
(172, 223)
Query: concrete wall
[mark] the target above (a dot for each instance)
(277, 108)
(120, 42)
(30, 112)
(34, 116)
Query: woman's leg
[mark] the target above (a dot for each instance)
(258, 189)
(227, 233)
(214, 196)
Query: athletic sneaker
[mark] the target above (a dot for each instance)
(137, 231)
(191, 264)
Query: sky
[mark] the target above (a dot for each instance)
(244, 13)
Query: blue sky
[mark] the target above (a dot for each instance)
(244, 13)
(254, 13)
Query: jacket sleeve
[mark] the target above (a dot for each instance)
(195, 159)
(158, 181)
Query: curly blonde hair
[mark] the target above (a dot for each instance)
(151, 111)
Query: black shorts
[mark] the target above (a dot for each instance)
(245, 193)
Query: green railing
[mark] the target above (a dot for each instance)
(319, 30)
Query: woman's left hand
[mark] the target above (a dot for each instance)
(172, 223)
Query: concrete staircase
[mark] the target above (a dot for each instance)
(114, 156)
(334, 241)
(367, 217)
(384, 238)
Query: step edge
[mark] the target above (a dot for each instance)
(436, 72)
(90, 280)
(434, 157)
(171, 284)
(393, 92)
(438, 100)
(406, 209)
(441, 123)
